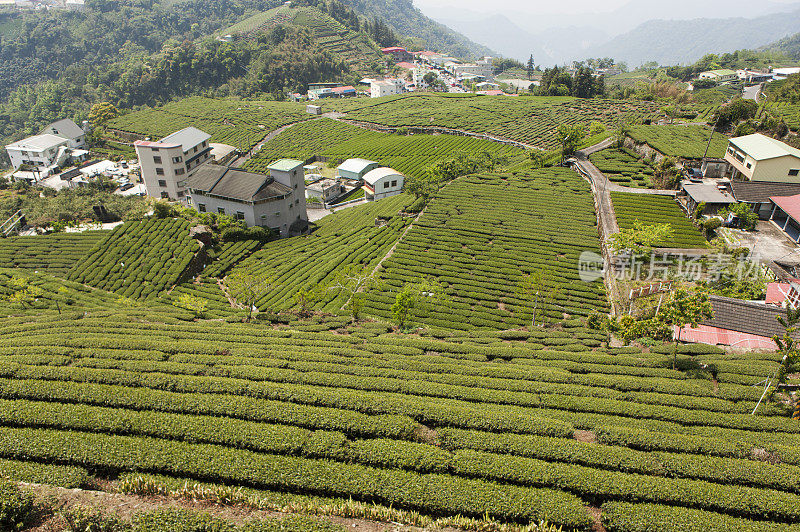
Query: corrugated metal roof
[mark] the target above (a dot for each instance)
(746, 317)
(789, 204)
(285, 165)
(761, 147)
(356, 165)
(762, 191)
(707, 193)
(373, 176)
(187, 138)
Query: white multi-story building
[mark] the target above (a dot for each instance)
(52, 147)
(167, 164)
(276, 201)
(485, 70)
(386, 87)
(40, 152)
(68, 129)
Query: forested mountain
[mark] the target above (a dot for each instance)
(405, 19)
(56, 64)
(685, 41)
(788, 45)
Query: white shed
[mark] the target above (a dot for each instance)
(382, 182)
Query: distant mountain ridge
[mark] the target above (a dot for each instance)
(677, 34)
(685, 41)
(788, 45)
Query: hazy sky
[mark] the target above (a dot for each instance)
(542, 6)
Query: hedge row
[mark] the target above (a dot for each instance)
(618, 516)
(431, 493)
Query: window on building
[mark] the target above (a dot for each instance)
(385, 184)
(177, 159)
(794, 172)
(295, 185)
(394, 183)
(221, 210)
(195, 149)
(277, 214)
(164, 195)
(155, 149)
(291, 205)
(297, 202)
(749, 165)
(201, 207)
(159, 171)
(180, 171)
(157, 159)
(239, 215)
(162, 182)
(180, 193)
(205, 143)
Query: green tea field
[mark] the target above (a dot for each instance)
(624, 167)
(687, 142)
(56, 253)
(239, 123)
(530, 120)
(482, 234)
(337, 141)
(658, 209)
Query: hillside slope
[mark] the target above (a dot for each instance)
(685, 41)
(407, 20)
(356, 49)
(788, 45)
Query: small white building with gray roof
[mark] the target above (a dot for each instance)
(355, 169)
(381, 183)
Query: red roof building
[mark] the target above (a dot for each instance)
(398, 53)
(777, 293)
(786, 215)
(406, 65)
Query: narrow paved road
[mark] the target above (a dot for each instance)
(602, 187)
(752, 93)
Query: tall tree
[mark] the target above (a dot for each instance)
(248, 287)
(685, 308)
(531, 66)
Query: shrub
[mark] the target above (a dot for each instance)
(16, 506)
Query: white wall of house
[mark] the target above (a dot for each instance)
(386, 186)
(39, 157)
(165, 168)
(278, 214)
(784, 169)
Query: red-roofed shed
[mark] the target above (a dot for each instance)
(786, 215)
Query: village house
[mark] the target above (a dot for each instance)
(166, 164)
(355, 169)
(386, 87)
(712, 197)
(786, 215)
(56, 145)
(276, 201)
(722, 75)
(399, 54)
(760, 158)
(757, 194)
(381, 183)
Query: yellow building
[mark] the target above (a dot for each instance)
(760, 158)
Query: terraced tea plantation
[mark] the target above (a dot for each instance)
(355, 49)
(56, 253)
(529, 120)
(788, 112)
(650, 209)
(485, 423)
(482, 234)
(624, 167)
(139, 259)
(687, 142)
(239, 123)
(345, 239)
(410, 155)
